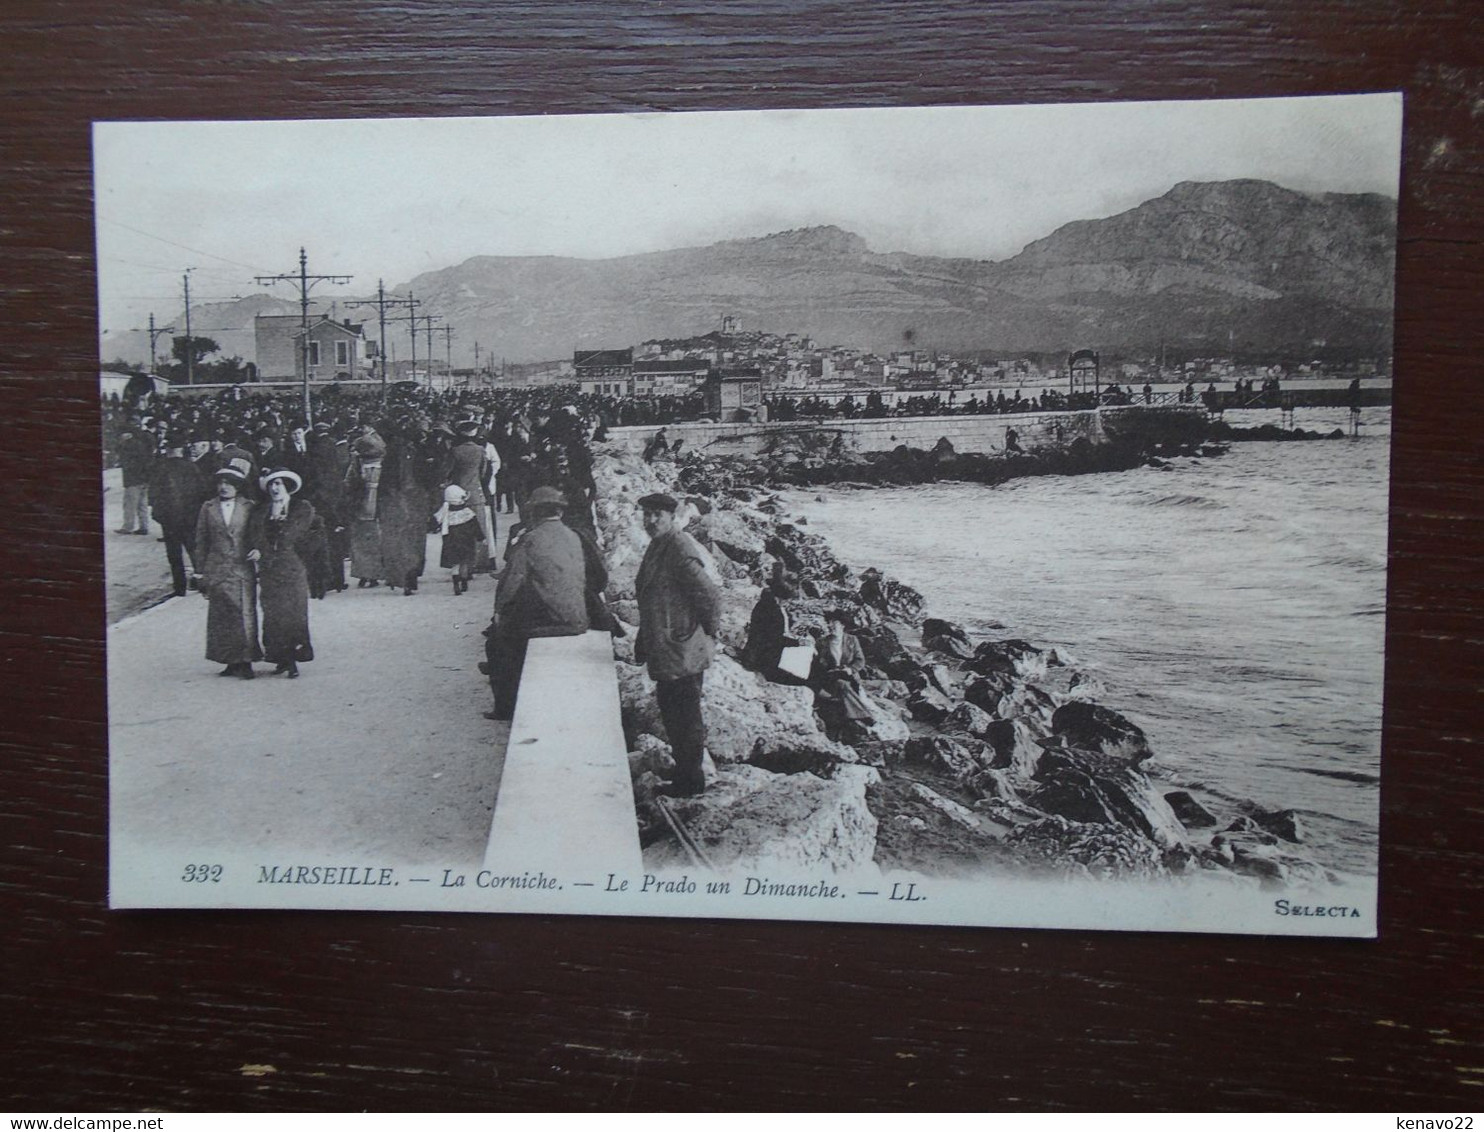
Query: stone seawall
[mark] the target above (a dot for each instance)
(968, 433)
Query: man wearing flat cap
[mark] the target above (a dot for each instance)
(679, 604)
(542, 593)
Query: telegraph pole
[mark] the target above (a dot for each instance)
(429, 319)
(190, 352)
(305, 282)
(154, 333)
(414, 320)
(448, 352)
(411, 319)
(382, 304)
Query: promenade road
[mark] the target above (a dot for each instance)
(380, 752)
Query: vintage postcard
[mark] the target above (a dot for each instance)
(960, 515)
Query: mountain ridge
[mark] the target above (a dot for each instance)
(1241, 263)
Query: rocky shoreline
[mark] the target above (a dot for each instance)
(820, 457)
(984, 756)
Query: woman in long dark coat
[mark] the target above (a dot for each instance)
(279, 535)
(223, 555)
(404, 502)
(362, 489)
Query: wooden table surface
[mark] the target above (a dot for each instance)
(351, 1011)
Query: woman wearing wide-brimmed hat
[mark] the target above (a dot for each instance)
(363, 488)
(279, 536)
(226, 577)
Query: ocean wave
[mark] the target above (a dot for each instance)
(1360, 778)
(1199, 502)
(1358, 562)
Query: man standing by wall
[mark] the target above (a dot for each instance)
(679, 603)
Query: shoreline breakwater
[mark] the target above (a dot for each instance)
(981, 756)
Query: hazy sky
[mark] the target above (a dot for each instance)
(389, 198)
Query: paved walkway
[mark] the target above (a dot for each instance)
(379, 750)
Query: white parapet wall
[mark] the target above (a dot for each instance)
(566, 801)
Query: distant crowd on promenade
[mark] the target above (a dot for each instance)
(257, 505)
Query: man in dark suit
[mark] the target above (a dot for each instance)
(177, 488)
(542, 593)
(679, 605)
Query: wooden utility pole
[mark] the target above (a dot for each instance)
(154, 333)
(414, 321)
(448, 352)
(305, 282)
(410, 318)
(382, 304)
(190, 352)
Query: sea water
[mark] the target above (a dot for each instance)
(1232, 606)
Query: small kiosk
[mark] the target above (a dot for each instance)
(734, 394)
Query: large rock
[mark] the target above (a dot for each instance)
(1071, 684)
(651, 756)
(939, 677)
(969, 720)
(891, 597)
(800, 759)
(806, 555)
(1281, 823)
(884, 652)
(941, 755)
(1015, 657)
(989, 692)
(1089, 848)
(1092, 727)
(1013, 748)
(796, 823)
(1103, 789)
(741, 709)
(930, 706)
(947, 638)
(955, 812)
(737, 600)
(1191, 813)
(1003, 697)
(622, 479)
(733, 533)
(1031, 706)
(887, 725)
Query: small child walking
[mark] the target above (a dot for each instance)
(460, 531)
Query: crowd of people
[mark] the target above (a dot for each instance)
(262, 511)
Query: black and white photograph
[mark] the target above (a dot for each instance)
(962, 515)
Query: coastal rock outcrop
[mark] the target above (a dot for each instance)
(784, 821)
(1088, 787)
(1093, 727)
(1191, 813)
(947, 638)
(978, 754)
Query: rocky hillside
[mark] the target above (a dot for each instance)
(1242, 262)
